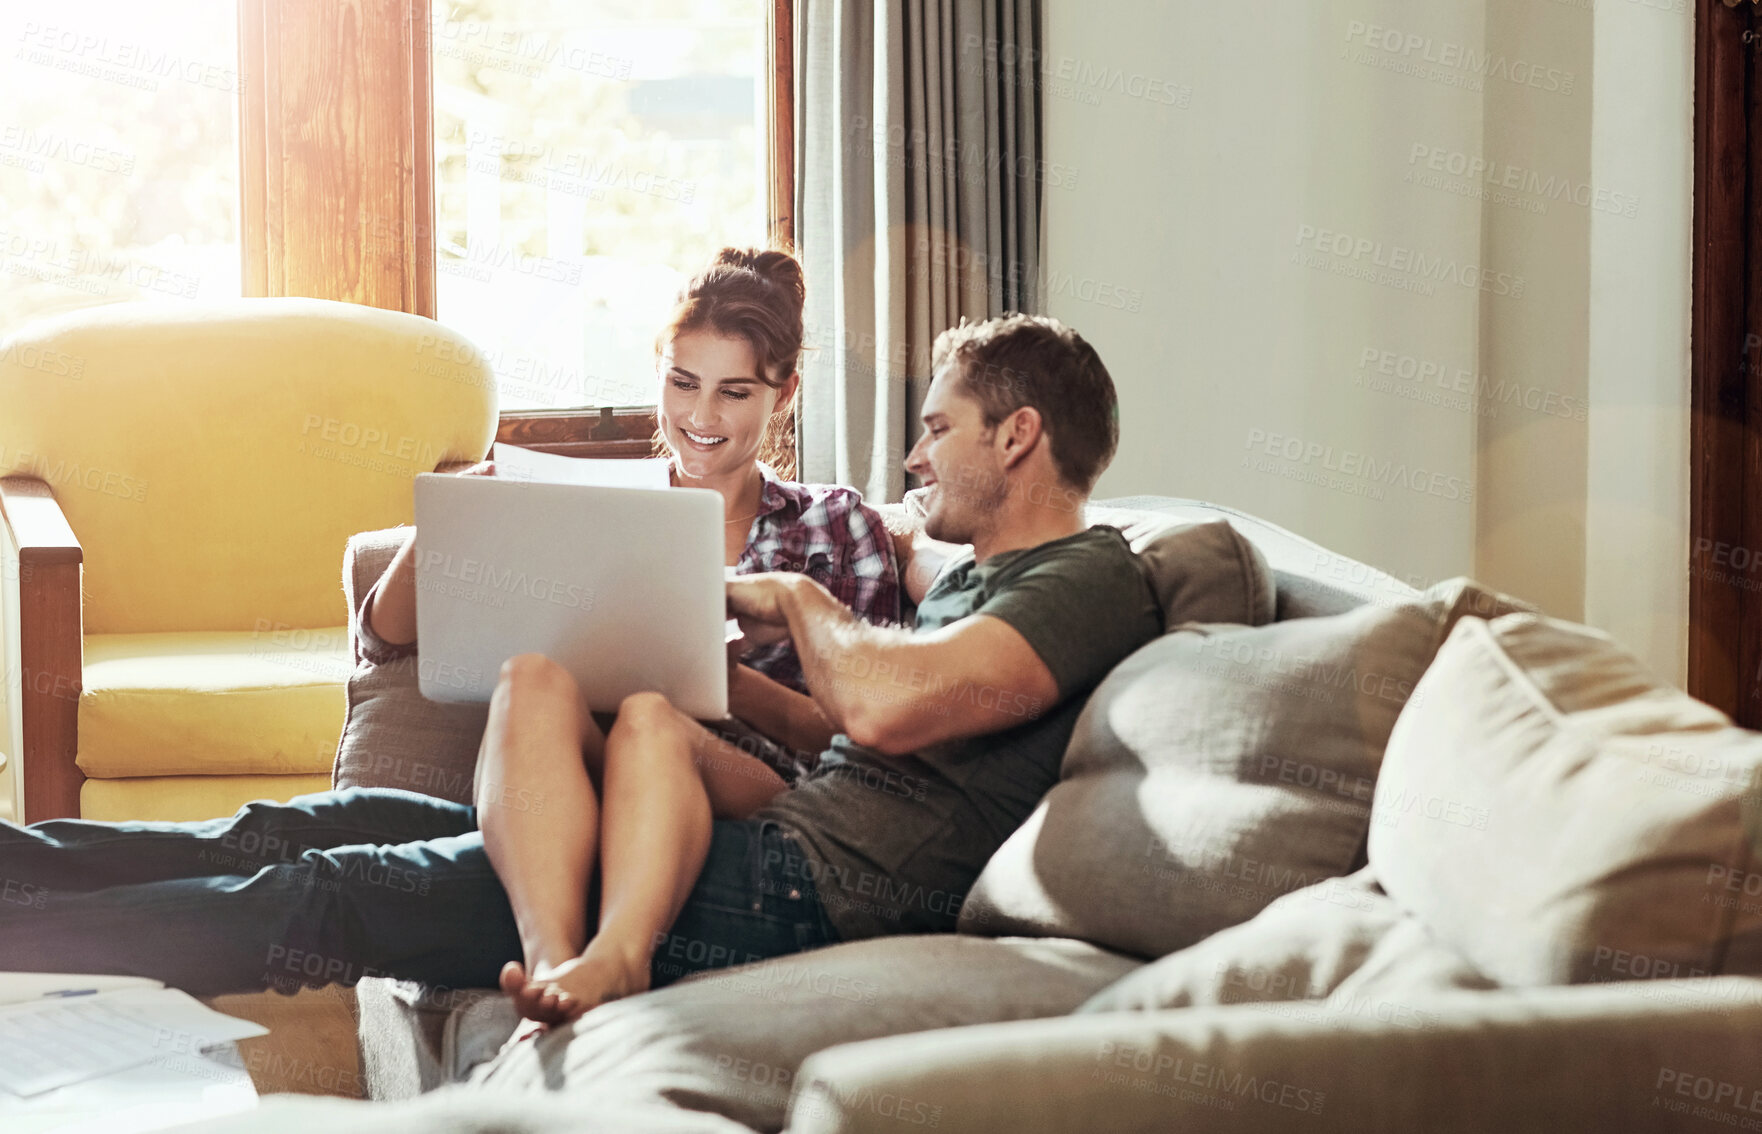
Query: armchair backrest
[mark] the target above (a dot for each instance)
(214, 458)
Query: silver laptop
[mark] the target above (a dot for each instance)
(621, 586)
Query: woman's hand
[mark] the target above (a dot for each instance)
(779, 712)
(481, 468)
(737, 648)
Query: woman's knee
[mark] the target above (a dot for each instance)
(531, 686)
(648, 713)
(528, 676)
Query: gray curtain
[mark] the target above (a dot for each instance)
(917, 202)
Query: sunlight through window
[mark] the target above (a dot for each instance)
(118, 154)
(589, 155)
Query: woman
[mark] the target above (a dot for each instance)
(727, 365)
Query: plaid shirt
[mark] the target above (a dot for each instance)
(826, 532)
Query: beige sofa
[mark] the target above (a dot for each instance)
(1393, 861)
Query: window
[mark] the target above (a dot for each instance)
(589, 154)
(118, 154)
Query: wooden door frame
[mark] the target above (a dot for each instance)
(1726, 360)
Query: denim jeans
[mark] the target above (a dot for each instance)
(337, 886)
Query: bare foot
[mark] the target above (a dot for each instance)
(533, 999)
(560, 993)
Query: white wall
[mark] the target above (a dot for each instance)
(1200, 152)
(1532, 431)
(1637, 516)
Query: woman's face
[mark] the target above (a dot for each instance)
(713, 409)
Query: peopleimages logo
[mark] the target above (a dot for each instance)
(442, 569)
(1426, 57)
(1084, 80)
(60, 147)
(1362, 467)
(1412, 262)
(1428, 166)
(1387, 371)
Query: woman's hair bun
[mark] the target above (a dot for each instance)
(770, 264)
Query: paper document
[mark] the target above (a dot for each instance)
(170, 1091)
(15, 988)
(57, 1040)
(515, 463)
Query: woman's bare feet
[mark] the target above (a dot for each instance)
(557, 994)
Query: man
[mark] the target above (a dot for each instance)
(949, 736)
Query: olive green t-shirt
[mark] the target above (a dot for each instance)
(894, 842)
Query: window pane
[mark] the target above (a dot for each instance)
(119, 165)
(590, 154)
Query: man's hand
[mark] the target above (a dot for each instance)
(756, 601)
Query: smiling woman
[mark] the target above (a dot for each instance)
(729, 355)
(118, 154)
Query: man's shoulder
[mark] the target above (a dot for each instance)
(1088, 549)
(1091, 549)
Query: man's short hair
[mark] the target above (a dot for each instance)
(1035, 360)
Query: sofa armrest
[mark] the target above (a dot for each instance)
(50, 643)
(1639, 1056)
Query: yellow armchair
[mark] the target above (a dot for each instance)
(183, 479)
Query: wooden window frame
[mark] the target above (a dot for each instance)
(336, 152)
(382, 92)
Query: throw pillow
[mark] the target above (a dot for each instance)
(1559, 815)
(1214, 770)
(1301, 947)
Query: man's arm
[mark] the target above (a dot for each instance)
(890, 689)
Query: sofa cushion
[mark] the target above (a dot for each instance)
(1301, 947)
(259, 703)
(1200, 571)
(1678, 1057)
(729, 1041)
(393, 736)
(1198, 558)
(181, 799)
(1409, 963)
(1343, 940)
(1558, 814)
(1308, 578)
(1212, 771)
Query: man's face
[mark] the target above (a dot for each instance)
(957, 458)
